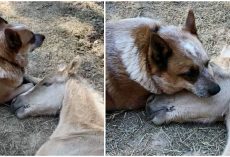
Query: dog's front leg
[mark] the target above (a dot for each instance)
(21, 89)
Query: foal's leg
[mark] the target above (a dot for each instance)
(227, 147)
(30, 79)
(166, 109)
(40, 100)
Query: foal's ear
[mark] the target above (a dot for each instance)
(62, 66)
(73, 67)
(225, 51)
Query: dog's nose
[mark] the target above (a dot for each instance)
(214, 89)
(43, 37)
(40, 37)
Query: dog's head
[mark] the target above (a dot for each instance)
(177, 60)
(16, 40)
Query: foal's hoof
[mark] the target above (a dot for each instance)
(158, 114)
(19, 107)
(158, 109)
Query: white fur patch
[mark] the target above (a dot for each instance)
(18, 26)
(3, 73)
(225, 52)
(189, 44)
(8, 74)
(130, 55)
(190, 48)
(194, 50)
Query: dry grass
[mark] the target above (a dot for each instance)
(71, 28)
(130, 133)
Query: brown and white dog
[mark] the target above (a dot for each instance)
(15, 42)
(144, 57)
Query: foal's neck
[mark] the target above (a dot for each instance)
(82, 109)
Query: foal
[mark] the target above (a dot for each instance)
(80, 130)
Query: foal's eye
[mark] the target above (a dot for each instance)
(47, 84)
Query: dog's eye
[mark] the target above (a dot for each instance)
(206, 63)
(32, 40)
(190, 75)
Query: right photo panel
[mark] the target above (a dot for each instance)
(167, 78)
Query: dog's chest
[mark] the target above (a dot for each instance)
(10, 78)
(125, 93)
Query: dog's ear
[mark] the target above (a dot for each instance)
(12, 39)
(159, 52)
(3, 21)
(190, 24)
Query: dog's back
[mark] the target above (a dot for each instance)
(121, 89)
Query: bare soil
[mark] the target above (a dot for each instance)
(71, 28)
(130, 133)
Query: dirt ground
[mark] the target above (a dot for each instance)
(130, 133)
(71, 28)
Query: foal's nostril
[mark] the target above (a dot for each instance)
(214, 89)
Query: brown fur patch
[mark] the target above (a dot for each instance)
(175, 65)
(153, 50)
(142, 40)
(121, 91)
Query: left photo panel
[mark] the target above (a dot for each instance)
(52, 78)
